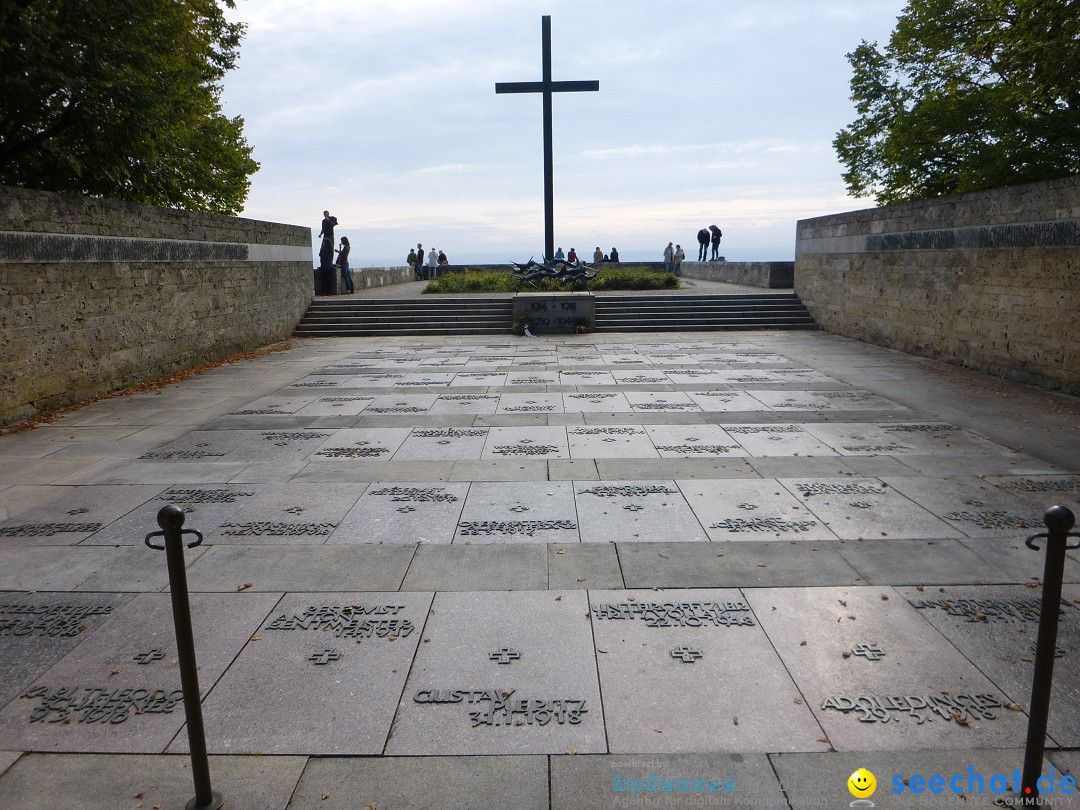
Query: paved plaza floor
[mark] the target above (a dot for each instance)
(649, 570)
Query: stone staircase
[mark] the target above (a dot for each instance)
(700, 313)
(331, 317)
(353, 317)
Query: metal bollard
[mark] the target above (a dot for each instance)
(171, 520)
(1059, 521)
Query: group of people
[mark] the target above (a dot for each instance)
(428, 271)
(709, 236)
(598, 256)
(327, 251)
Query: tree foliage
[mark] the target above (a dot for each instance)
(968, 95)
(121, 98)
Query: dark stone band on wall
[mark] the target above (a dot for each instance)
(1062, 233)
(37, 248)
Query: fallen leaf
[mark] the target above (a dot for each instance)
(658, 731)
(798, 702)
(735, 720)
(601, 651)
(139, 795)
(256, 638)
(560, 551)
(245, 586)
(325, 795)
(371, 806)
(116, 671)
(762, 565)
(1013, 707)
(581, 579)
(802, 643)
(884, 598)
(842, 602)
(919, 587)
(558, 598)
(846, 654)
(824, 740)
(961, 720)
(571, 751)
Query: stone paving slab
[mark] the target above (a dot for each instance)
(583, 566)
(503, 512)
(877, 676)
(610, 441)
(52, 568)
(752, 510)
(289, 513)
(403, 513)
(418, 783)
(752, 563)
(520, 567)
(98, 782)
(325, 673)
(612, 781)
(996, 629)
(311, 568)
(118, 690)
(692, 671)
(77, 513)
(38, 629)
(635, 511)
(482, 681)
(884, 561)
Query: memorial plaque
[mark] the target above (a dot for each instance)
(694, 441)
(206, 506)
(445, 361)
(578, 376)
(695, 376)
(458, 700)
(778, 440)
(427, 380)
(624, 359)
(865, 508)
(752, 509)
(38, 629)
(99, 698)
(361, 444)
(526, 443)
(316, 381)
(673, 359)
(344, 707)
(976, 508)
(610, 441)
(596, 402)
(403, 513)
(336, 405)
(476, 379)
(826, 401)
(401, 404)
(736, 697)
(534, 512)
(280, 445)
(996, 628)
(530, 403)
(725, 401)
(634, 511)
(1043, 491)
(580, 359)
(923, 694)
(532, 378)
(442, 443)
(73, 516)
(465, 403)
(380, 379)
(287, 514)
(274, 405)
(639, 377)
(651, 401)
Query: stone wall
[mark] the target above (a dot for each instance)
(96, 295)
(771, 275)
(989, 280)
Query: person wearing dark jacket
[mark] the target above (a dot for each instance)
(703, 244)
(716, 234)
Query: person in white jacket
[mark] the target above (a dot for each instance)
(433, 263)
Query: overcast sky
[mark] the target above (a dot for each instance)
(709, 111)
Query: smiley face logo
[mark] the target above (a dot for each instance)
(862, 784)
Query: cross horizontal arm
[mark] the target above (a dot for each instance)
(540, 87)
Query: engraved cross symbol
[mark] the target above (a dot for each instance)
(687, 655)
(871, 652)
(505, 655)
(406, 509)
(519, 508)
(144, 658)
(321, 659)
(634, 507)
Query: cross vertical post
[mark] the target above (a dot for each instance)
(547, 87)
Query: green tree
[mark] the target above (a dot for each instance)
(121, 99)
(968, 95)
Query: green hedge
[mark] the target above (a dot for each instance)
(611, 277)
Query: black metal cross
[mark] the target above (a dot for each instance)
(547, 87)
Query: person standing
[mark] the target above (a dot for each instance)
(419, 262)
(598, 256)
(412, 263)
(716, 234)
(703, 244)
(432, 263)
(326, 249)
(669, 258)
(343, 263)
(679, 256)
